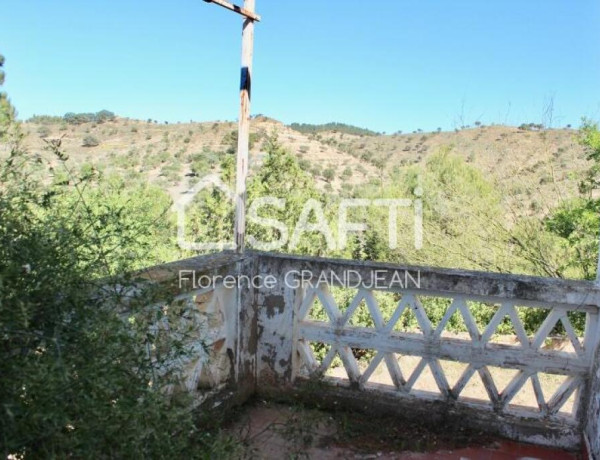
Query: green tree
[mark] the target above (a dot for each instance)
(461, 211)
(104, 115)
(76, 377)
(576, 222)
(210, 217)
(280, 176)
(79, 384)
(7, 111)
(589, 137)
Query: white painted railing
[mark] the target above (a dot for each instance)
(529, 357)
(448, 362)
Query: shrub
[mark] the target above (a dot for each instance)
(199, 166)
(90, 141)
(304, 164)
(76, 378)
(86, 170)
(367, 156)
(329, 174)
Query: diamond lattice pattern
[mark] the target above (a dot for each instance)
(422, 356)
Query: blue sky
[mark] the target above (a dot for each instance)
(388, 65)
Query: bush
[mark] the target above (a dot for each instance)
(90, 141)
(76, 378)
(86, 170)
(200, 166)
(304, 164)
(328, 174)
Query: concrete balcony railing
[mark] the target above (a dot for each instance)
(376, 337)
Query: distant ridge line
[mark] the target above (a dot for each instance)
(309, 128)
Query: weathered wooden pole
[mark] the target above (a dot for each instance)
(244, 119)
(244, 129)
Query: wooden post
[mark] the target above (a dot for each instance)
(244, 120)
(244, 129)
(231, 7)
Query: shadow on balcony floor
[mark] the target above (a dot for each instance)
(277, 431)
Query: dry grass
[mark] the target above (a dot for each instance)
(533, 170)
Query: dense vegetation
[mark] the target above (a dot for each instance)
(75, 118)
(308, 128)
(81, 375)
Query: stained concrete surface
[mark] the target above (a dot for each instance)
(280, 431)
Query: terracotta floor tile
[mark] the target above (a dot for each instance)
(264, 426)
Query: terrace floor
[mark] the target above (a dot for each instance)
(268, 430)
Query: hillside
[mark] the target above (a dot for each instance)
(532, 169)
